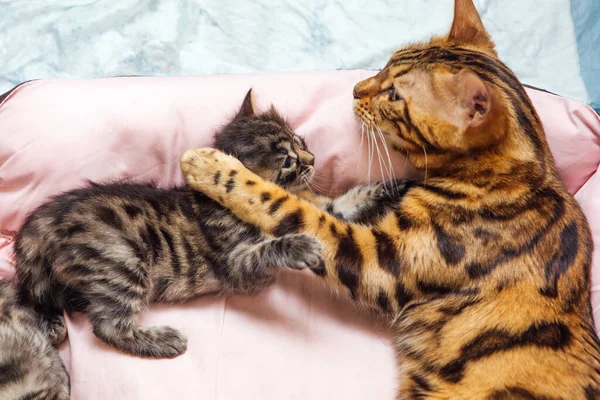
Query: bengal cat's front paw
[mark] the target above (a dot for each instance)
(302, 251)
(204, 168)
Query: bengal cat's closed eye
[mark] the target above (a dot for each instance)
(393, 94)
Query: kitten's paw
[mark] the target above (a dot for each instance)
(302, 251)
(204, 167)
(170, 341)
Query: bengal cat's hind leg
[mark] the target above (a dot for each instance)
(252, 267)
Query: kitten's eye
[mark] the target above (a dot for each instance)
(287, 163)
(393, 95)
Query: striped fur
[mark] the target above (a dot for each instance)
(30, 368)
(112, 249)
(484, 266)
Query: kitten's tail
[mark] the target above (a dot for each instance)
(38, 290)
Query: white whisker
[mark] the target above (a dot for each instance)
(370, 149)
(425, 152)
(362, 141)
(379, 157)
(389, 159)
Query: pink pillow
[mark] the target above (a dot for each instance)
(295, 340)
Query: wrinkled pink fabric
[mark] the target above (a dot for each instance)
(293, 341)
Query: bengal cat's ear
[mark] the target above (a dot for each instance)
(473, 98)
(247, 109)
(467, 28)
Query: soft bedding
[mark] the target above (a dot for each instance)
(293, 341)
(552, 44)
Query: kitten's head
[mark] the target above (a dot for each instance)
(449, 96)
(267, 145)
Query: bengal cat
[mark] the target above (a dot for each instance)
(484, 268)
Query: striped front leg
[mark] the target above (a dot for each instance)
(360, 261)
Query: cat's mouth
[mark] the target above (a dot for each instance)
(303, 180)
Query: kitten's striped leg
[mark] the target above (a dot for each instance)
(252, 267)
(360, 261)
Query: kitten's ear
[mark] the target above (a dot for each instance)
(247, 109)
(473, 99)
(467, 27)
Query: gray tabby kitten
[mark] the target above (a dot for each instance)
(30, 368)
(110, 250)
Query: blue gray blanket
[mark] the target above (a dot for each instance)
(551, 44)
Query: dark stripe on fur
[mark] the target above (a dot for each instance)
(291, 223)
(349, 262)
(553, 335)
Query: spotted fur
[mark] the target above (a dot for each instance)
(484, 266)
(30, 367)
(112, 249)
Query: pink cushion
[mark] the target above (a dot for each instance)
(295, 340)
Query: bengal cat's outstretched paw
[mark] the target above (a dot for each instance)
(206, 167)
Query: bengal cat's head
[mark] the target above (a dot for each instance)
(451, 96)
(267, 145)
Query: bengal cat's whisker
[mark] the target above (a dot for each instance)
(389, 159)
(370, 150)
(425, 152)
(379, 157)
(360, 147)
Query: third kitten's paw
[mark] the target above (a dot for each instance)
(302, 251)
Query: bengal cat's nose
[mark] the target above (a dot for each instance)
(365, 88)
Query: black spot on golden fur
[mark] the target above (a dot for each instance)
(265, 196)
(517, 393)
(217, 177)
(386, 253)
(333, 229)
(562, 259)
(451, 248)
(404, 223)
(291, 223)
(229, 185)
(403, 296)
(384, 302)
(250, 182)
(553, 335)
(277, 204)
(349, 262)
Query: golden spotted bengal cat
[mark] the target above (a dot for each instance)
(485, 266)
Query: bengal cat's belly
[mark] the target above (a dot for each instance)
(499, 348)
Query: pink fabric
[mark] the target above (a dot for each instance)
(293, 341)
